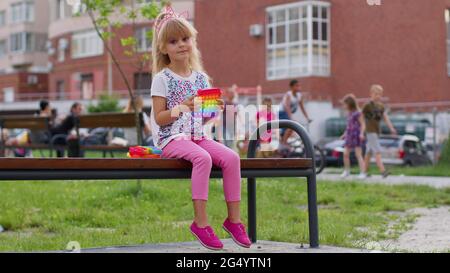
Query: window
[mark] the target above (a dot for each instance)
(87, 86)
(22, 42)
(78, 8)
(60, 9)
(142, 39)
(60, 93)
(142, 81)
(298, 40)
(8, 94)
(2, 18)
(3, 48)
(33, 79)
(22, 12)
(447, 20)
(62, 45)
(86, 44)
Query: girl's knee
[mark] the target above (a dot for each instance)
(202, 158)
(231, 159)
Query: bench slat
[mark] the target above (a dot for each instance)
(127, 164)
(122, 120)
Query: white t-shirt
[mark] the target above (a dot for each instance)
(177, 89)
(294, 101)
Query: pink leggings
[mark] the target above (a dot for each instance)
(203, 154)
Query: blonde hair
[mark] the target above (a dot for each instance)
(173, 28)
(139, 105)
(376, 88)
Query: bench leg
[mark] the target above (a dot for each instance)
(312, 212)
(251, 200)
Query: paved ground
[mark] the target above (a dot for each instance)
(436, 182)
(430, 233)
(229, 247)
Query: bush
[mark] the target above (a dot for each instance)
(106, 103)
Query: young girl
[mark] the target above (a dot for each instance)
(178, 76)
(354, 135)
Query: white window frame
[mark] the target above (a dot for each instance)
(22, 12)
(309, 66)
(78, 8)
(60, 9)
(86, 44)
(2, 18)
(143, 46)
(23, 42)
(61, 51)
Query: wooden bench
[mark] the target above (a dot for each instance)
(251, 168)
(32, 123)
(112, 120)
(91, 121)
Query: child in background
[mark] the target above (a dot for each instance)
(374, 112)
(354, 136)
(265, 115)
(179, 74)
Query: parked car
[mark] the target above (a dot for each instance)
(395, 150)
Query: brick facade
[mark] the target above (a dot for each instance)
(70, 70)
(400, 44)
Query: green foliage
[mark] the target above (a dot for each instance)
(445, 155)
(106, 103)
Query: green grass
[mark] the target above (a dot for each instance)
(440, 170)
(41, 216)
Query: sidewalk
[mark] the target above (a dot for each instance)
(436, 182)
(229, 247)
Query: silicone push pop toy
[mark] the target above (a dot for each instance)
(209, 99)
(144, 152)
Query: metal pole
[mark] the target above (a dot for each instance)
(311, 178)
(434, 136)
(251, 189)
(312, 212)
(2, 149)
(251, 192)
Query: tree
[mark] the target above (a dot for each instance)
(108, 15)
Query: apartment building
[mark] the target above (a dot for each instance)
(333, 47)
(81, 67)
(23, 56)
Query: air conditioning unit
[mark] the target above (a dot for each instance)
(256, 30)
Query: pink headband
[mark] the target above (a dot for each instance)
(169, 15)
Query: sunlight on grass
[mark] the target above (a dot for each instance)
(47, 215)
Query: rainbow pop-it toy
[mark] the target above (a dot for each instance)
(209, 99)
(144, 152)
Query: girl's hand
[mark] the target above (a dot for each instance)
(189, 102)
(361, 136)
